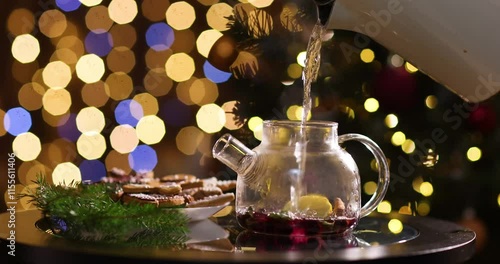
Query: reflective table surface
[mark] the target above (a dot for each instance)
(220, 239)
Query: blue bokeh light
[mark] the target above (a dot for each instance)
(128, 112)
(69, 130)
(143, 158)
(175, 113)
(92, 170)
(17, 121)
(160, 36)
(215, 75)
(98, 43)
(68, 5)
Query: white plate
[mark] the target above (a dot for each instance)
(205, 230)
(200, 213)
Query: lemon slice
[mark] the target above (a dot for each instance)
(312, 204)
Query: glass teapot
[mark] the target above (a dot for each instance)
(276, 195)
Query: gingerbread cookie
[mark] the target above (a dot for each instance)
(138, 188)
(178, 178)
(208, 182)
(168, 188)
(226, 185)
(159, 200)
(202, 192)
(214, 200)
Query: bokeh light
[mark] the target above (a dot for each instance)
(210, 118)
(217, 16)
(20, 21)
(255, 122)
(52, 23)
(260, 23)
(119, 85)
(423, 208)
(370, 187)
(56, 102)
(260, 3)
(391, 120)
(128, 112)
(17, 121)
(65, 55)
(188, 139)
(30, 170)
(215, 75)
(114, 159)
(90, 2)
(143, 158)
(410, 68)
(148, 103)
(367, 55)
(398, 138)
(232, 121)
(180, 67)
(94, 94)
(426, 189)
(91, 145)
(56, 75)
(68, 5)
(124, 139)
(384, 207)
(90, 119)
(150, 129)
(68, 128)
(123, 35)
(206, 40)
(72, 43)
(92, 170)
(25, 48)
(157, 82)
(121, 59)
(431, 101)
(154, 10)
(180, 15)
(97, 19)
(371, 105)
(474, 154)
(99, 43)
(395, 226)
(408, 146)
(159, 36)
(122, 11)
(90, 68)
(396, 60)
(26, 146)
(66, 174)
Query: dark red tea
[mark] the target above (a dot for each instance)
(272, 223)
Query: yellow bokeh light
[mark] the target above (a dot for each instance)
(23, 203)
(180, 67)
(210, 118)
(157, 82)
(188, 139)
(294, 71)
(148, 102)
(301, 59)
(498, 199)
(72, 43)
(254, 122)
(370, 187)
(2, 127)
(124, 138)
(423, 209)
(91, 145)
(398, 138)
(150, 129)
(122, 11)
(203, 91)
(154, 10)
(206, 40)
(410, 68)
(66, 173)
(114, 159)
(232, 122)
(30, 96)
(384, 207)
(121, 59)
(291, 112)
(56, 102)
(90, 119)
(395, 226)
(217, 16)
(90, 68)
(367, 55)
(97, 19)
(185, 41)
(396, 60)
(391, 120)
(27, 146)
(371, 105)
(374, 165)
(156, 59)
(416, 183)
(25, 48)
(65, 55)
(474, 154)
(30, 170)
(426, 189)
(20, 21)
(257, 132)
(52, 23)
(56, 75)
(431, 101)
(55, 120)
(408, 146)
(299, 113)
(260, 3)
(94, 94)
(180, 15)
(289, 18)
(119, 85)
(123, 35)
(90, 2)
(260, 23)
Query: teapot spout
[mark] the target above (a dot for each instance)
(234, 154)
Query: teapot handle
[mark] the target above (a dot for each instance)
(383, 171)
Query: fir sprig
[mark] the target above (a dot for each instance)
(88, 212)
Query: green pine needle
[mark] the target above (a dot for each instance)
(88, 212)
